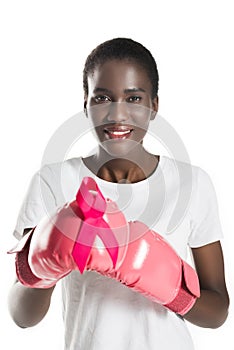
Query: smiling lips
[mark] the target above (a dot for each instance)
(118, 132)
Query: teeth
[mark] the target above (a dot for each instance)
(119, 133)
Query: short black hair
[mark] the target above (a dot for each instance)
(122, 49)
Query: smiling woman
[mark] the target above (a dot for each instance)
(140, 297)
(120, 105)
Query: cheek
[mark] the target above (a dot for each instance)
(98, 114)
(140, 119)
(99, 133)
(139, 114)
(139, 133)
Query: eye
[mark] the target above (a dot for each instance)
(134, 99)
(102, 99)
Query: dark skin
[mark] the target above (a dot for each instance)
(121, 93)
(28, 306)
(211, 309)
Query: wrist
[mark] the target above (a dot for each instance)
(23, 269)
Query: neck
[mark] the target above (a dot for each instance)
(133, 167)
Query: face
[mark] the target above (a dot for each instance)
(120, 105)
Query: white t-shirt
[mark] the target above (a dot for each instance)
(178, 201)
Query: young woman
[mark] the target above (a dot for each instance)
(121, 99)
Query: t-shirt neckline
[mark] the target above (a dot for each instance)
(160, 165)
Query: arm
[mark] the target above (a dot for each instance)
(43, 257)
(211, 309)
(28, 306)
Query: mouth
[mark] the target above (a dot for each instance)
(118, 133)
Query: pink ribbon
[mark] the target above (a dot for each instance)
(93, 207)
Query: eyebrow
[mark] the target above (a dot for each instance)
(126, 91)
(134, 90)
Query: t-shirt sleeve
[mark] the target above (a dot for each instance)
(38, 202)
(205, 221)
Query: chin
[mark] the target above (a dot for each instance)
(119, 149)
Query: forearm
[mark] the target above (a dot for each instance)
(28, 306)
(210, 310)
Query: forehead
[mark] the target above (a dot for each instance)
(119, 73)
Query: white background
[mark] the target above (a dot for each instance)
(43, 48)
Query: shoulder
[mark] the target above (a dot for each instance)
(193, 184)
(68, 166)
(60, 180)
(185, 171)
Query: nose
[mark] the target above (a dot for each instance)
(118, 112)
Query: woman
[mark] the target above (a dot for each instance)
(120, 99)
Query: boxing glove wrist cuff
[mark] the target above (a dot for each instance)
(188, 292)
(183, 302)
(23, 270)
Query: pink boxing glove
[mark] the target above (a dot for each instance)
(150, 266)
(45, 254)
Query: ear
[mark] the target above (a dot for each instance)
(85, 107)
(154, 108)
